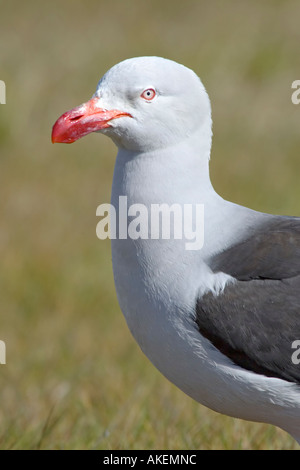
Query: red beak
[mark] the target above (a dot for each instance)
(83, 120)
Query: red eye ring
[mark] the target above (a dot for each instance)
(148, 94)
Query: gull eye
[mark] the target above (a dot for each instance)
(148, 94)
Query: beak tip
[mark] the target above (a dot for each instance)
(54, 133)
(57, 135)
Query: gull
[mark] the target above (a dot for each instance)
(221, 322)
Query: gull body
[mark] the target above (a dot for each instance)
(202, 317)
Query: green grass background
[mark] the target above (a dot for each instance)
(74, 377)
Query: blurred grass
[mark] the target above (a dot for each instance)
(74, 377)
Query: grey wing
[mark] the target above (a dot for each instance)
(272, 251)
(256, 319)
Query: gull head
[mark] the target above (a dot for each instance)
(142, 104)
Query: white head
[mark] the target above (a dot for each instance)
(143, 103)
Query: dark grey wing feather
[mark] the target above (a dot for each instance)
(272, 251)
(255, 320)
